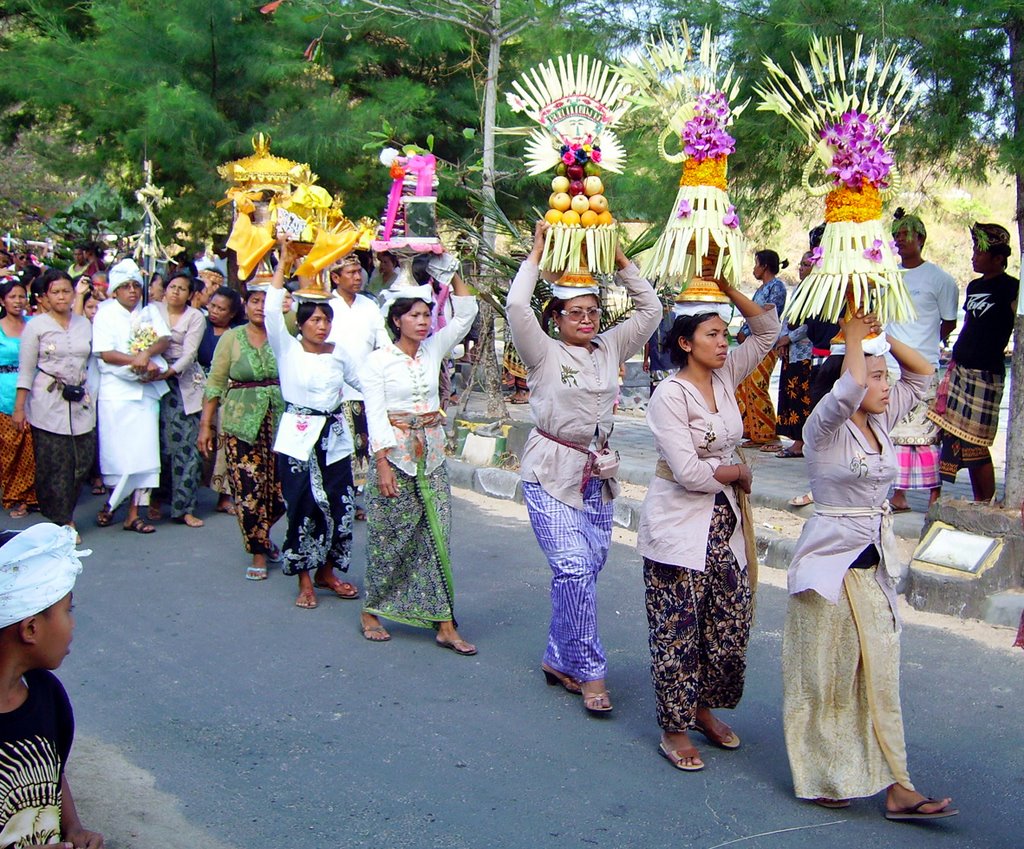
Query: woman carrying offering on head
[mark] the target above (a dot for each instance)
(567, 466)
(841, 647)
(408, 504)
(699, 570)
(313, 444)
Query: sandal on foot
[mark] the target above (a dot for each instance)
(360, 514)
(256, 573)
(732, 741)
(770, 447)
(99, 489)
(459, 646)
(788, 453)
(275, 555)
(342, 589)
(592, 702)
(105, 518)
(19, 511)
(227, 508)
(831, 803)
(307, 601)
(137, 525)
(554, 678)
(376, 634)
(801, 500)
(914, 812)
(678, 758)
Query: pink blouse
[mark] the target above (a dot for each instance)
(676, 516)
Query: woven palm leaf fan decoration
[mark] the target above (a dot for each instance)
(696, 102)
(848, 110)
(575, 100)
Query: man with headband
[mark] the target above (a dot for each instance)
(38, 568)
(935, 296)
(966, 405)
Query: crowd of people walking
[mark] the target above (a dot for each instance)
(328, 412)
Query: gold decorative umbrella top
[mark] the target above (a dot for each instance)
(263, 170)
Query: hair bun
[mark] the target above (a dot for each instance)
(899, 213)
(784, 264)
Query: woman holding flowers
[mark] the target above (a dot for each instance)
(759, 421)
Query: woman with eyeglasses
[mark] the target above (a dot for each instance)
(567, 466)
(699, 566)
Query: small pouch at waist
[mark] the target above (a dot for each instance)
(867, 559)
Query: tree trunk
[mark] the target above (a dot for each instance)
(1014, 474)
(485, 346)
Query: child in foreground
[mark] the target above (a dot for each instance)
(38, 568)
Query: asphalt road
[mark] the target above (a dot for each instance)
(259, 725)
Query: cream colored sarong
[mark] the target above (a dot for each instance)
(841, 692)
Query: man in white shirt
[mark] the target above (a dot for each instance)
(358, 328)
(127, 339)
(935, 296)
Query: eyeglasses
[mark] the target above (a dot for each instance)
(577, 314)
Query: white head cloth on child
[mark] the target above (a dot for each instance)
(37, 569)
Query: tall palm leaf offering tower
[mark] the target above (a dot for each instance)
(696, 101)
(848, 110)
(576, 102)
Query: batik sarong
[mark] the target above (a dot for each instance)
(320, 504)
(63, 466)
(17, 465)
(575, 543)
(258, 500)
(755, 403)
(355, 417)
(794, 397)
(699, 627)
(181, 463)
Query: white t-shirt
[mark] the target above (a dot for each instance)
(935, 297)
(358, 329)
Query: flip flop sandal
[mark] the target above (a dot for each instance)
(832, 803)
(99, 489)
(105, 518)
(275, 555)
(379, 629)
(801, 501)
(338, 591)
(788, 453)
(914, 812)
(256, 573)
(730, 742)
(458, 646)
(137, 525)
(678, 757)
(306, 602)
(770, 447)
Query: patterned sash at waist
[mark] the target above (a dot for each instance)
(8, 369)
(588, 467)
(254, 384)
(416, 424)
(299, 410)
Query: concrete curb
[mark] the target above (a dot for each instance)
(774, 551)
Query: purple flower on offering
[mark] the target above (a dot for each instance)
(859, 156)
(731, 219)
(817, 256)
(874, 253)
(704, 135)
(894, 248)
(684, 210)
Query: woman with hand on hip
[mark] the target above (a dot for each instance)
(313, 444)
(841, 646)
(409, 514)
(692, 535)
(573, 381)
